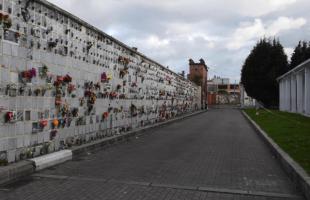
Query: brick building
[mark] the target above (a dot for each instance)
(198, 73)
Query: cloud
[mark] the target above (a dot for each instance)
(220, 31)
(289, 52)
(249, 32)
(155, 42)
(259, 8)
(284, 23)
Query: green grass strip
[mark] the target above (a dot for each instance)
(290, 131)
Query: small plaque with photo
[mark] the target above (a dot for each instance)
(11, 36)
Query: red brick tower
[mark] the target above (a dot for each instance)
(198, 73)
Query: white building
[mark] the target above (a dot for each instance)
(295, 89)
(245, 100)
(220, 81)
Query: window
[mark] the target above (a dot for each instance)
(27, 115)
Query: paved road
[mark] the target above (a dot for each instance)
(215, 155)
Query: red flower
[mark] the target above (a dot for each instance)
(9, 116)
(43, 123)
(105, 115)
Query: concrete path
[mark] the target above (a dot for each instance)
(215, 155)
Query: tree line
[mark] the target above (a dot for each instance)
(266, 62)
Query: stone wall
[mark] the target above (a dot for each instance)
(63, 82)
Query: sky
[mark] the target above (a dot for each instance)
(222, 32)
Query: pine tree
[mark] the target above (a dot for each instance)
(301, 54)
(266, 62)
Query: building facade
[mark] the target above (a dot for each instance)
(245, 100)
(221, 91)
(198, 73)
(295, 90)
(64, 82)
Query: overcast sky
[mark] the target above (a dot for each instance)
(220, 31)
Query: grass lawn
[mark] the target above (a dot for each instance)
(290, 131)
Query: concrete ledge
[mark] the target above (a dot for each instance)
(296, 173)
(97, 145)
(15, 171)
(52, 159)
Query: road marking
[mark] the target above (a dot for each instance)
(171, 186)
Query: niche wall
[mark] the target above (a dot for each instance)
(64, 82)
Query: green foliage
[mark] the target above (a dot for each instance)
(266, 62)
(290, 131)
(301, 54)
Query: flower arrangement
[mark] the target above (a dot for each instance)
(37, 91)
(29, 74)
(43, 71)
(87, 93)
(75, 112)
(21, 90)
(92, 99)
(113, 95)
(43, 123)
(133, 110)
(58, 101)
(67, 79)
(104, 77)
(11, 89)
(64, 110)
(71, 88)
(105, 115)
(97, 86)
(55, 123)
(6, 20)
(161, 93)
(10, 116)
(122, 96)
(58, 82)
(123, 60)
(109, 77)
(82, 101)
(118, 87)
(123, 72)
(134, 84)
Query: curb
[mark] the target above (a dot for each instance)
(52, 159)
(13, 172)
(296, 173)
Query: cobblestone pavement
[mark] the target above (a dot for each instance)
(215, 155)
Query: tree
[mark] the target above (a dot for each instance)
(266, 62)
(301, 54)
